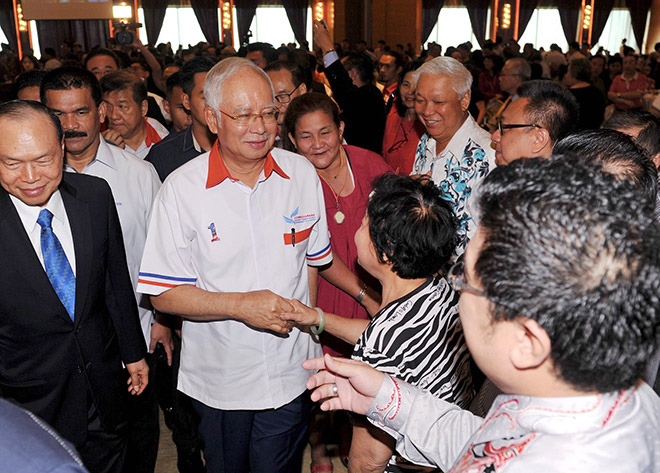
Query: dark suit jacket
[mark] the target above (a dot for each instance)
(362, 109)
(48, 363)
(173, 151)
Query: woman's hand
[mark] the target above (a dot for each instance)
(301, 314)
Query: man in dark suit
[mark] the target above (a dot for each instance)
(351, 80)
(68, 316)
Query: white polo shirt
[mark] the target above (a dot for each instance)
(155, 133)
(212, 231)
(134, 184)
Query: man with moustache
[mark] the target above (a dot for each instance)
(74, 96)
(230, 239)
(68, 316)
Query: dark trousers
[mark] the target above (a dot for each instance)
(265, 441)
(143, 427)
(103, 451)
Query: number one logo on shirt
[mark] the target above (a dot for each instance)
(214, 233)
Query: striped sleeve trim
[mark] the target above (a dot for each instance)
(161, 280)
(324, 253)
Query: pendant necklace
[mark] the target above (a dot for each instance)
(339, 215)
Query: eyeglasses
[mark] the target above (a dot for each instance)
(245, 119)
(501, 126)
(456, 279)
(286, 98)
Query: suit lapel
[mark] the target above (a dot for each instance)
(21, 252)
(77, 212)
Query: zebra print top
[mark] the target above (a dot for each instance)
(419, 339)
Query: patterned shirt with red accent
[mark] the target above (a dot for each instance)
(616, 431)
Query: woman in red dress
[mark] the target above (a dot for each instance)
(346, 173)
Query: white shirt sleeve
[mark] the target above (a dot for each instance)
(167, 260)
(319, 252)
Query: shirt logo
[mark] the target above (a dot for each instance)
(214, 233)
(295, 218)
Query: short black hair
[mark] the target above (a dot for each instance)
(267, 49)
(197, 65)
(398, 58)
(121, 80)
(173, 81)
(626, 119)
(31, 78)
(411, 226)
(569, 246)
(550, 106)
(102, 52)
(67, 78)
(18, 109)
(362, 64)
(649, 139)
(618, 154)
(297, 75)
(580, 69)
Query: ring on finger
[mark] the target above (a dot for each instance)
(334, 390)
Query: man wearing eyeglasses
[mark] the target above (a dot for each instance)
(231, 236)
(288, 83)
(543, 114)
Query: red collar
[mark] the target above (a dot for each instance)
(218, 172)
(152, 135)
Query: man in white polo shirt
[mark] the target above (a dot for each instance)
(229, 241)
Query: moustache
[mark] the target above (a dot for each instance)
(74, 134)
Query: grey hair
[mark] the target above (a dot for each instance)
(521, 67)
(445, 66)
(223, 71)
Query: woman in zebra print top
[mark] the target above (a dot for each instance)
(407, 235)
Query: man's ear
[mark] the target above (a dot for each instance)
(102, 110)
(532, 346)
(166, 107)
(185, 99)
(293, 140)
(211, 119)
(465, 100)
(144, 107)
(541, 141)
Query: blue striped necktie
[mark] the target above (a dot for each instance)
(57, 265)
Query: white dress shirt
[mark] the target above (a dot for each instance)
(60, 224)
(134, 184)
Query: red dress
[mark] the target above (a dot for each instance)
(400, 142)
(365, 166)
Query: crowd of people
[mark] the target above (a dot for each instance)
(475, 233)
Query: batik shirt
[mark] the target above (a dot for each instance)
(467, 159)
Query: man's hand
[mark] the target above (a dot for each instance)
(262, 309)
(357, 383)
(322, 38)
(163, 335)
(114, 137)
(139, 378)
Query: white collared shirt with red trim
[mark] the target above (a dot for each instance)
(218, 234)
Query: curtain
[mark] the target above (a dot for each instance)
(296, 11)
(639, 10)
(8, 23)
(526, 11)
(245, 11)
(430, 11)
(599, 16)
(154, 14)
(89, 33)
(206, 12)
(569, 13)
(478, 11)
